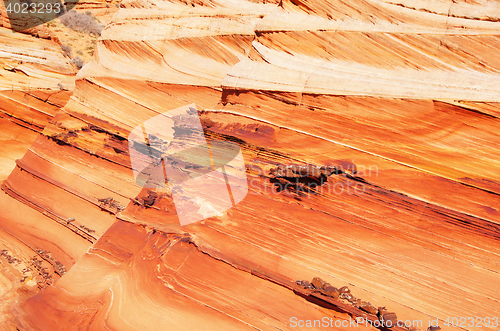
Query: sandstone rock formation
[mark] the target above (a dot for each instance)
(384, 112)
(35, 79)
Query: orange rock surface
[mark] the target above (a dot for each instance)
(396, 102)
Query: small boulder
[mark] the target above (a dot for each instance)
(367, 307)
(344, 289)
(318, 283)
(332, 292)
(388, 319)
(348, 296)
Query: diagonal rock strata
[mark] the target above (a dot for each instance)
(406, 97)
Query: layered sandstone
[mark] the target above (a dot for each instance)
(35, 82)
(395, 102)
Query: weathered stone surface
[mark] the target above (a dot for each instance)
(332, 292)
(318, 283)
(401, 97)
(366, 306)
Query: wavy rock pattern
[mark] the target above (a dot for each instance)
(400, 96)
(32, 71)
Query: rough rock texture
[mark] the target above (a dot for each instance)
(32, 60)
(400, 98)
(35, 81)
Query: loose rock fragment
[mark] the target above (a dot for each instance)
(109, 202)
(332, 292)
(304, 284)
(344, 289)
(367, 307)
(388, 319)
(318, 283)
